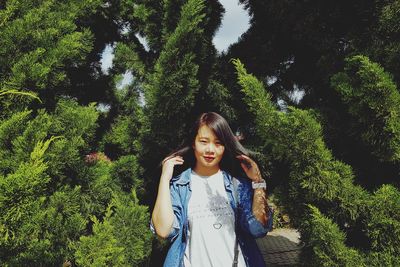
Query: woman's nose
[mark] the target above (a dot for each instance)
(210, 147)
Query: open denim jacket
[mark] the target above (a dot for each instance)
(247, 226)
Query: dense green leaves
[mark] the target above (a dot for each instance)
(383, 220)
(44, 43)
(327, 243)
(373, 100)
(294, 138)
(49, 189)
(121, 239)
(70, 168)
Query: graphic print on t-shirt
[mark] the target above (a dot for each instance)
(211, 224)
(216, 211)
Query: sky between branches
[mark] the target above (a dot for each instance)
(234, 23)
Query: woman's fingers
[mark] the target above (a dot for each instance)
(244, 158)
(179, 160)
(175, 159)
(167, 158)
(247, 161)
(244, 166)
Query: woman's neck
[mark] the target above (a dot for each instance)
(205, 171)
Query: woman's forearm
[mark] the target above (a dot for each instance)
(260, 205)
(163, 215)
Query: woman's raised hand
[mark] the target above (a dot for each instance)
(163, 214)
(250, 168)
(168, 165)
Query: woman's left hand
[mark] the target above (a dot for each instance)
(250, 168)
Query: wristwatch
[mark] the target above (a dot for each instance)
(261, 184)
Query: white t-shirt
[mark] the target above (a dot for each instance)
(211, 241)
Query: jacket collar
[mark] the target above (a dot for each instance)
(183, 178)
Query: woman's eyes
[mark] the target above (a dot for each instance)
(218, 143)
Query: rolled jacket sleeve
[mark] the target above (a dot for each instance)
(177, 209)
(247, 221)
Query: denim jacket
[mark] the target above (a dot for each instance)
(247, 226)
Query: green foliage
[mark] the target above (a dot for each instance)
(383, 220)
(21, 198)
(325, 242)
(146, 17)
(316, 178)
(382, 259)
(58, 222)
(51, 176)
(75, 126)
(373, 100)
(295, 138)
(126, 55)
(175, 73)
(122, 135)
(9, 129)
(121, 239)
(100, 249)
(14, 101)
(29, 178)
(98, 187)
(385, 48)
(295, 47)
(258, 100)
(13, 92)
(39, 40)
(49, 190)
(126, 129)
(131, 220)
(126, 171)
(75, 120)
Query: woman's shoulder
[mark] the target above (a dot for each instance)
(239, 178)
(181, 178)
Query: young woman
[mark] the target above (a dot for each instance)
(209, 213)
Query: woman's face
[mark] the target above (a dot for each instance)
(208, 150)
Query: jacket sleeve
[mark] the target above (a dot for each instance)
(178, 210)
(247, 221)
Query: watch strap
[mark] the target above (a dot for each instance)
(261, 184)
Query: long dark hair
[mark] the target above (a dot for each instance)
(223, 131)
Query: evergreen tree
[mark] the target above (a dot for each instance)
(294, 141)
(299, 46)
(46, 47)
(176, 74)
(373, 101)
(121, 239)
(52, 177)
(49, 189)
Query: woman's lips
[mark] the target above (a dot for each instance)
(208, 159)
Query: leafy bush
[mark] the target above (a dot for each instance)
(382, 220)
(373, 100)
(318, 181)
(121, 239)
(49, 189)
(126, 171)
(325, 243)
